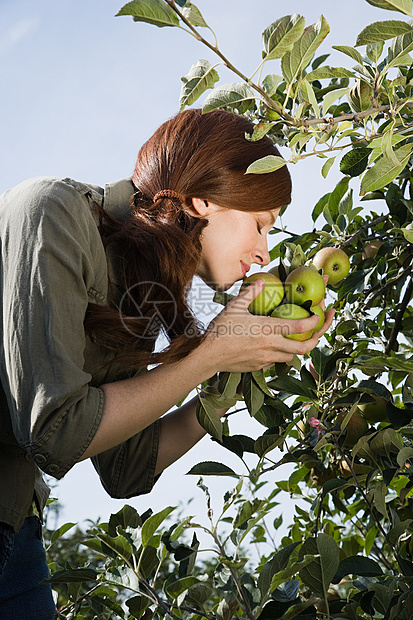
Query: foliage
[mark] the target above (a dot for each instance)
(349, 555)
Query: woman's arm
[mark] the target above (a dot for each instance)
(133, 404)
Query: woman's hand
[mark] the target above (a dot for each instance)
(239, 341)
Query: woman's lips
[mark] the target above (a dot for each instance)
(245, 268)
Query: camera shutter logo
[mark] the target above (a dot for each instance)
(157, 307)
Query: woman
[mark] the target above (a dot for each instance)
(89, 278)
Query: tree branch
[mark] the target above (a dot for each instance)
(399, 317)
(270, 102)
(388, 284)
(350, 240)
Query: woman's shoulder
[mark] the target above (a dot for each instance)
(40, 198)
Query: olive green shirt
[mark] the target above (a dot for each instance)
(53, 264)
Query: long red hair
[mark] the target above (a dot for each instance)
(196, 155)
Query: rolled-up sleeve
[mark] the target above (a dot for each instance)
(129, 469)
(52, 258)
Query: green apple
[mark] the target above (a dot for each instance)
(304, 284)
(356, 427)
(335, 264)
(292, 311)
(321, 314)
(375, 411)
(270, 297)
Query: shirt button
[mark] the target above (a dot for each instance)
(28, 457)
(53, 469)
(40, 459)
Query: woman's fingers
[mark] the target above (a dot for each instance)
(247, 295)
(327, 323)
(285, 327)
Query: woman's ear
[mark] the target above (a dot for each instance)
(198, 207)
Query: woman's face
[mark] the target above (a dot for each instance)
(231, 242)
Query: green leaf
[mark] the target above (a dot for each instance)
(76, 575)
(119, 544)
(318, 209)
(126, 517)
(287, 573)
(209, 418)
(260, 130)
(309, 96)
(228, 383)
(357, 565)
(155, 12)
(326, 166)
(228, 95)
(266, 443)
(398, 531)
(385, 171)
(393, 362)
(211, 468)
(350, 51)
(355, 161)
(328, 73)
(304, 49)
(123, 576)
(331, 97)
(137, 605)
(179, 586)
(379, 499)
(259, 378)
(272, 567)
(201, 76)
(375, 50)
(253, 395)
(399, 50)
(60, 532)
(266, 164)
(153, 522)
(246, 511)
(387, 148)
(270, 83)
(381, 31)
(317, 575)
(408, 234)
(194, 15)
(337, 196)
(292, 386)
(281, 35)
(404, 455)
(404, 6)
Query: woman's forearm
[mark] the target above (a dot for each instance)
(133, 404)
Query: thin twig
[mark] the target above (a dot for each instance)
(389, 284)
(270, 102)
(399, 317)
(350, 240)
(370, 507)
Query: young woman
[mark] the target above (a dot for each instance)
(89, 278)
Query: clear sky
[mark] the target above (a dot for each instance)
(81, 90)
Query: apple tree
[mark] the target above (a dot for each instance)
(339, 421)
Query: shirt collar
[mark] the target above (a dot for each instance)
(116, 196)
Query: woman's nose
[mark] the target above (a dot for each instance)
(262, 256)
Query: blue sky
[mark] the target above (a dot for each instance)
(82, 90)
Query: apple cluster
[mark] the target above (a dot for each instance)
(303, 290)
